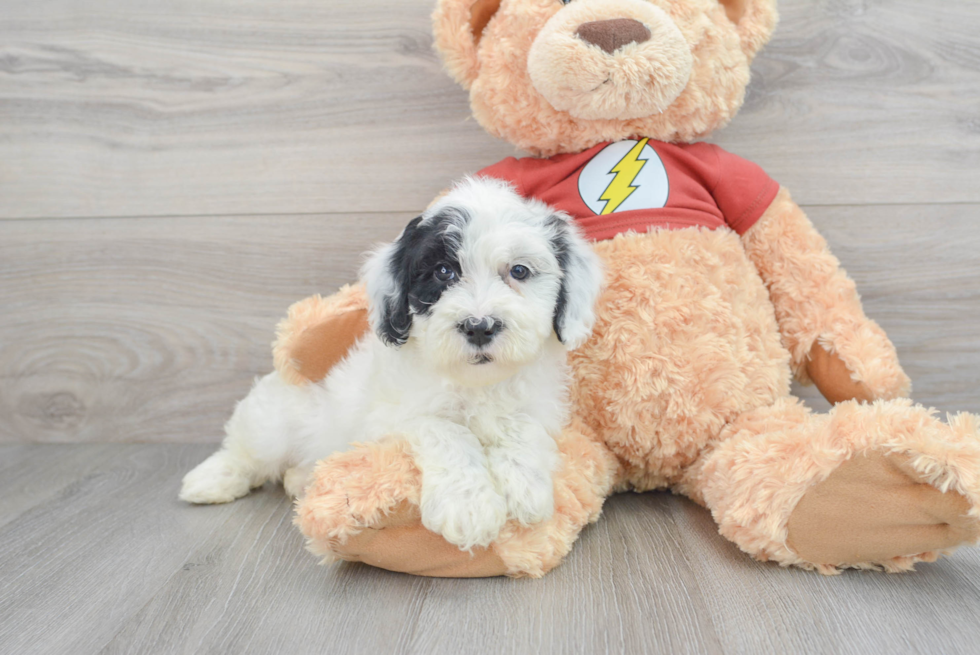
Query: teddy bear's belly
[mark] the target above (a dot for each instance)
(686, 340)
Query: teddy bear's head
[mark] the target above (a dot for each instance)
(554, 76)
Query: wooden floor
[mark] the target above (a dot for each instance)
(173, 175)
(99, 556)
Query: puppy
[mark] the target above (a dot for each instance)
(473, 310)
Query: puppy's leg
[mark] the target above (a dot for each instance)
(523, 457)
(296, 479)
(221, 478)
(256, 447)
(458, 498)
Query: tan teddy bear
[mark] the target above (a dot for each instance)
(718, 291)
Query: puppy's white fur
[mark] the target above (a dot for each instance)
(481, 418)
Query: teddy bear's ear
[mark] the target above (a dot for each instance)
(754, 19)
(458, 26)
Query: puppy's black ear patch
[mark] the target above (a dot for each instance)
(580, 286)
(560, 246)
(396, 322)
(401, 279)
(396, 315)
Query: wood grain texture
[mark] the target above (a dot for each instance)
(227, 107)
(150, 330)
(115, 564)
(253, 589)
(867, 102)
(77, 565)
(174, 174)
(762, 608)
(917, 269)
(30, 473)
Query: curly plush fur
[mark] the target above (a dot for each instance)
(684, 384)
(507, 104)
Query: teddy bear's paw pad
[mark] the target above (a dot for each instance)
(874, 508)
(465, 518)
(214, 481)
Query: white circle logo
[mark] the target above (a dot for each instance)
(623, 176)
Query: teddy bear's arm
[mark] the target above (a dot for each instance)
(317, 333)
(363, 506)
(831, 341)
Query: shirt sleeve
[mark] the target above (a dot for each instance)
(743, 191)
(508, 170)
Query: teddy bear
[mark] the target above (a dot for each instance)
(718, 292)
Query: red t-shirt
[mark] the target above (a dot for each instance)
(639, 184)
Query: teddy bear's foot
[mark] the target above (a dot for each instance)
(865, 486)
(875, 507)
(363, 506)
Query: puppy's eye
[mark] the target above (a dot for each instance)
(444, 274)
(520, 272)
(564, 2)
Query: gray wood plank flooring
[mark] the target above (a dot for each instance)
(223, 107)
(173, 175)
(149, 330)
(31, 473)
(77, 564)
(115, 564)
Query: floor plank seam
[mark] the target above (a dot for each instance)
(413, 210)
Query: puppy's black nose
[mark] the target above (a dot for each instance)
(479, 331)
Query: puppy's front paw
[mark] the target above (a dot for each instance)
(215, 480)
(465, 517)
(532, 500)
(528, 490)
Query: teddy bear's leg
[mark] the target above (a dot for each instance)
(317, 332)
(363, 506)
(883, 485)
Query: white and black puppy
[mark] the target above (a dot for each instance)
(473, 310)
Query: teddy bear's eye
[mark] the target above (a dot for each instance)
(564, 2)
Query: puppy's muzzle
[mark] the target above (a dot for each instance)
(480, 331)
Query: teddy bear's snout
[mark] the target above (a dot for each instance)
(610, 59)
(613, 34)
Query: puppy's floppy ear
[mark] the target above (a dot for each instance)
(387, 277)
(581, 283)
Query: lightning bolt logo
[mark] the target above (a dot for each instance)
(626, 170)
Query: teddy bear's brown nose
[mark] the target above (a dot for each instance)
(613, 34)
